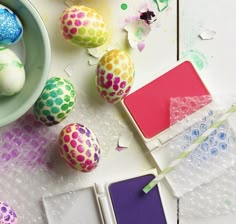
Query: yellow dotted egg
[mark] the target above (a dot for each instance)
(83, 26)
(115, 75)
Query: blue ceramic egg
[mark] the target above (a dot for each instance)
(11, 29)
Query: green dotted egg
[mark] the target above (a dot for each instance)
(55, 102)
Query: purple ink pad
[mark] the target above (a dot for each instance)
(132, 205)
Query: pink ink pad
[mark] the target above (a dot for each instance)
(149, 106)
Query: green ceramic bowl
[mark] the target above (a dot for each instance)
(35, 48)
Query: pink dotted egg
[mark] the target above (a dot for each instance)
(7, 214)
(83, 26)
(114, 75)
(79, 147)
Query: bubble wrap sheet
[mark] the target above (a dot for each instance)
(205, 181)
(208, 160)
(218, 197)
(30, 165)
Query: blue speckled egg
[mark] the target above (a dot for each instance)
(11, 29)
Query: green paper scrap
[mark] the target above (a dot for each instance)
(190, 149)
(161, 4)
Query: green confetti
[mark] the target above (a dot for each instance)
(124, 6)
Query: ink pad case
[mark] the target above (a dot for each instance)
(121, 202)
(149, 107)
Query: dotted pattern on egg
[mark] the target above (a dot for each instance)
(79, 147)
(115, 75)
(7, 214)
(10, 27)
(56, 101)
(83, 26)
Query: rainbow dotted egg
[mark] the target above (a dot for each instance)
(79, 147)
(83, 26)
(114, 75)
(7, 214)
(55, 102)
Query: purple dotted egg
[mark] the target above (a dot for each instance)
(79, 147)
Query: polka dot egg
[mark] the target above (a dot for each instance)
(83, 26)
(55, 102)
(114, 75)
(7, 214)
(79, 147)
(11, 29)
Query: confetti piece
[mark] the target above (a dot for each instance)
(69, 69)
(207, 35)
(137, 30)
(124, 140)
(96, 52)
(119, 149)
(93, 61)
(124, 6)
(141, 46)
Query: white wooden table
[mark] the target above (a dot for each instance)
(160, 52)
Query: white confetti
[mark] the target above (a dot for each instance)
(96, 52)
(69, 69)
(93, 61)
(124, 140)
(207, 35)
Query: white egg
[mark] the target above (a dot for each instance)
(12, 73)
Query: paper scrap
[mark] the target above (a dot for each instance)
(93, 61)
(161, 4)
(95, 55)
(137, 30)
(124, 140)
(96, 52)
(207, 35)
(69, 69)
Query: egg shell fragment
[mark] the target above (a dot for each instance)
(114, 75)
(11, 28)
(83, 26)
(7, 214)
(79, 147)
(12, 72)
(55, 102)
